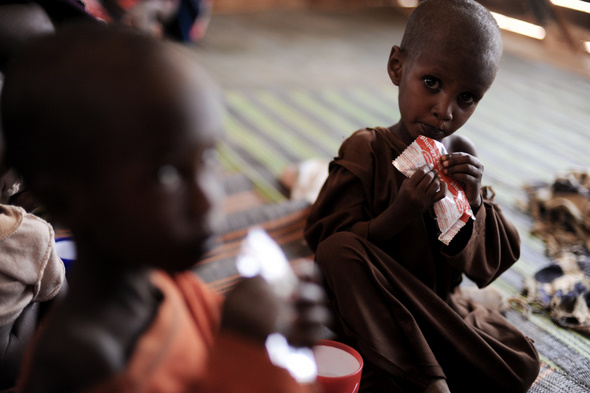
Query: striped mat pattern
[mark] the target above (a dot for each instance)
(284, 222)
(532, 124)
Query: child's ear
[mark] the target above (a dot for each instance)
(394, 65)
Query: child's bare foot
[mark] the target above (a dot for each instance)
(288, 176)
(305, 179)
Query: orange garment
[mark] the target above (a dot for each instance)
(182, 350)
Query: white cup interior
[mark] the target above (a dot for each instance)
(65, 249)
(334, 362)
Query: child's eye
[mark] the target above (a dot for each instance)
(467, 98)
(432, 82)
(169, 176)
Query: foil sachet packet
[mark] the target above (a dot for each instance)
(260, 255)
(453, 211)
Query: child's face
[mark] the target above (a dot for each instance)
(150, 16)
(438, 90)
(158, 207)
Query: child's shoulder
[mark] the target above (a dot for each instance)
(73, 343)
(370, 136)
(11, 218)
(28, 240)
(14, 220)
(459, 143)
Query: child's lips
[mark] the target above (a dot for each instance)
(433, 132)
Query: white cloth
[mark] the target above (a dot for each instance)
(30, 270)
(311, 175)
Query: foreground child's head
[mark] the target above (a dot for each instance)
(447, 60)
(115, 133)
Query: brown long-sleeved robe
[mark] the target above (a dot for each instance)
(400, 303)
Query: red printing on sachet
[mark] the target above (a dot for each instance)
(453, 211)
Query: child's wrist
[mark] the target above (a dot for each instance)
(475, 206)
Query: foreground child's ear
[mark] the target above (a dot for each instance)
(394, 65)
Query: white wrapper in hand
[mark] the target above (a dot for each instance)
(453, 211)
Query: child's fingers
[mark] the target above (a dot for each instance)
(308, 327)
(458, 158)
(468, 171)
(311, 314)
(432, 184)
(251, 309)
(416, 193)
(423, 178)
(466, 178)
(463, 167)
(441, 192)
(427, 182)
(309, 293)
(417, 177)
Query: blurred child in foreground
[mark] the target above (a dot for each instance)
(119, 145)
(30, 273)
(394, 286)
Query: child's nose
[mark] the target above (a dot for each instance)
(208, 192)
(443, 109)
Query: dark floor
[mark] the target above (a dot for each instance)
(331, 48)
(301, 49)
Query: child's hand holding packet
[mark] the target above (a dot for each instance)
(453, 211)
(261, 257)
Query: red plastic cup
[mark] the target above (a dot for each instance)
(339, 367)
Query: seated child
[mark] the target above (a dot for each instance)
(118, 145)
(30, 273)
(394, 287)
(182, 20)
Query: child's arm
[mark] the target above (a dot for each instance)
(252, 311)
(488, 246)
(463, 165)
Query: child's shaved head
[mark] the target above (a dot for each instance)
(58, 96)
(115, 132)
(459, 26)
